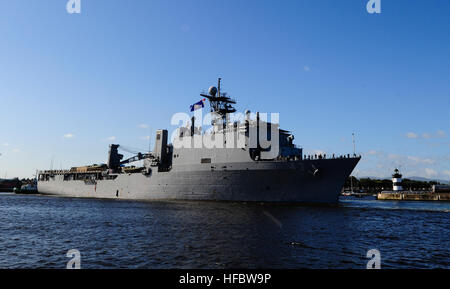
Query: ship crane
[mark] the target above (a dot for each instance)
(115, 159)
(138, 157)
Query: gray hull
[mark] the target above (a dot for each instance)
(311, 181)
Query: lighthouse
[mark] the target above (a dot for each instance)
(397, 181)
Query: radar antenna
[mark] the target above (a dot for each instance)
(219, 102)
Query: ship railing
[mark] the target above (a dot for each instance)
(54, 172)
(332, 157)
(63, 172)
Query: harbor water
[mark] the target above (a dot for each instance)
(38, 231)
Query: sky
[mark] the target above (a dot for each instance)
(71, 84)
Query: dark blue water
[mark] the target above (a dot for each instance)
(37, 232)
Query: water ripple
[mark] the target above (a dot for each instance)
(38, 231)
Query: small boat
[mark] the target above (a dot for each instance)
(28, 189)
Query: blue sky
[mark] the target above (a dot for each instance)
(70, 84)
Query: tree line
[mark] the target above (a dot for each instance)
(386, 184)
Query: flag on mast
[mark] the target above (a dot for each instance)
(197, 105)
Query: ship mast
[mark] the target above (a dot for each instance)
(220, 104)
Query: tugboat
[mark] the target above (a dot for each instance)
(28, 189)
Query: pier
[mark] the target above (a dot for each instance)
(413, 196)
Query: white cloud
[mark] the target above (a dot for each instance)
(381, 164)
(143, 125)
(430, 172)
(411, 135)
(6, 144)
(426, 135)
(416, 159)
(306, 68)
(16, 150)
(147, 137)
(427, 161)
(393, 156)
(447, 173)
(441, 133)
(111, 138)
(69, 135)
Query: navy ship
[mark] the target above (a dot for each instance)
(249, 160)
